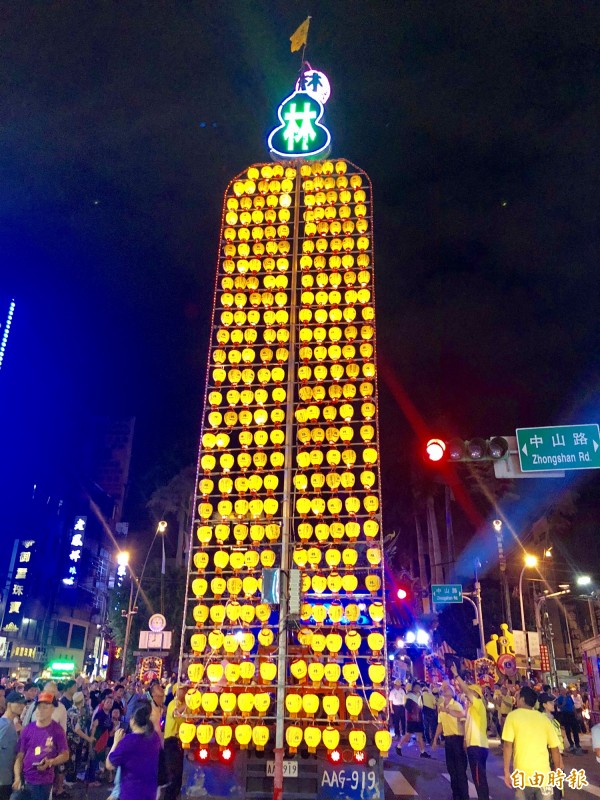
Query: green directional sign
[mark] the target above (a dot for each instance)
(446, 593)
(559, 447)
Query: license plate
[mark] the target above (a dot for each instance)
(290, 769)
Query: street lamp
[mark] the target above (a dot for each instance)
(132, 607)
(531, 561)
(586, 580)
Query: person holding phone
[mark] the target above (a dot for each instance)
(43, 746)
(137, 754)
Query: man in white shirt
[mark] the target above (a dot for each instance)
(397, 701)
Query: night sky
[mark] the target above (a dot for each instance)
(122, 124)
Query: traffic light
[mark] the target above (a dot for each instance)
(441, 451)
(402, 593)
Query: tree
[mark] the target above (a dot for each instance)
(174, 500)
(149, 602)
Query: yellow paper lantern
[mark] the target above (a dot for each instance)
(319, 613)
(293, 704)
(316, 671)
(260, 736)
(263, 612)
(357, 740)
(198, 643)
(217, 614)
(245, 702)
(218, 586)
(377, 702)
(247, 670)
(331, 706)
(317, 643)
(223, 734)
(199, 587)
(332, 557)
(200, 613)
(383, 742)
(376, 642)
(334, 582)
(243, 735)
(232, 673)
(234, 586)
(215, 640)
(247, 641)
(352, 612)
(351, 673)
(374, 556)
(331, 737)
(187, 732)
(268, 672)
(250, 585)
(334, 643)
(262, 701)
(204, 733)
(201, 561)
(332, 673)
(310, 704)
(373, 584)
(293, 737)
(312, 737)
(353, 641)
(193, 699)
(265, 637)
(298, 669)
(349, 583)
(377, 674)
(209, 702)
(376, 611)
(214, 672)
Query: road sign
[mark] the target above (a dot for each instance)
(446, 593)
(563, 447)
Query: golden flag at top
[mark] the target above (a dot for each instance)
(300, 35)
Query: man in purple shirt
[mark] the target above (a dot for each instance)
(43, 746)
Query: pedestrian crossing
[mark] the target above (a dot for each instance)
(472, 789)
(400, 786)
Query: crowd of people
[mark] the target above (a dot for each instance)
(465, 716)
(124, 735)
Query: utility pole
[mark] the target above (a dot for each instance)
(497, 525)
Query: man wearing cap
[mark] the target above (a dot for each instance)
(43, 747)
(476, 741)
(10, 727)
(176, 711)
(546, 703)
(450, 723)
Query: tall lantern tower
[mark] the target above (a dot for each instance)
(284, 638)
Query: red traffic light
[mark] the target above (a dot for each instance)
(226, 754)
(401, 593)
(360, 756)
(435, 449)
(334, 756)
(203, 754)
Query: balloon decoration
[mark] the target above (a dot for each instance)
(300, 398)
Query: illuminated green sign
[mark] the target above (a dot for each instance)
(300, 134)
(62, 666)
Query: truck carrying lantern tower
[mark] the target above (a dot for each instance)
(284, 638)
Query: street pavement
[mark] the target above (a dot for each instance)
(409, 777)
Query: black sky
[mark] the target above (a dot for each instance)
(122, 123)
